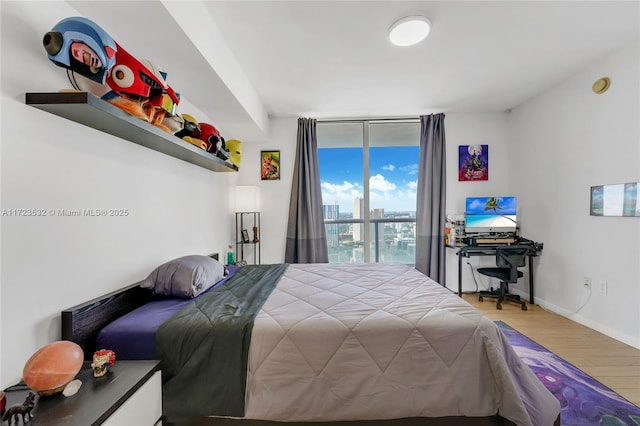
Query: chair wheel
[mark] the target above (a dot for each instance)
(480, 299)
(524, 307)
(498, 306)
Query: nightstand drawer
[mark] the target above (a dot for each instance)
(144, 407)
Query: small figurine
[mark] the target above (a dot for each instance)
(103, 360)
(23, 410)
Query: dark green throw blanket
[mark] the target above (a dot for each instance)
(204, 347)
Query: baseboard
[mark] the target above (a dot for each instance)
(614, 334)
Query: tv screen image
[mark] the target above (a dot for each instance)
(492, 215)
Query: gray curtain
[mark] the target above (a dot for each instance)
(306, 237)
(430, 210)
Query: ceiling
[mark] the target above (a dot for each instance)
(241, 62)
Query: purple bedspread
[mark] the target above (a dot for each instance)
(133, 336)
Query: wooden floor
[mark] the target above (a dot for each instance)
(609, 361)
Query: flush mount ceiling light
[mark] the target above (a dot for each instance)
(409, 30)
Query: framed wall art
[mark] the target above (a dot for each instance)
(473, 162)
(616, 200)
(270, 165)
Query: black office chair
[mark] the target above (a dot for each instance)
(508, 260)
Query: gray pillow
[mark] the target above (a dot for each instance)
(185, 277)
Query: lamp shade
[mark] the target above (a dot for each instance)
(247, 199)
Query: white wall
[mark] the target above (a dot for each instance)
(274, 194)
(475, 129)
(52, 263)
(565, 141)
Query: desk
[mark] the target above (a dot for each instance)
(464, 250)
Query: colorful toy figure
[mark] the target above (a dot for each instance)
(83, 47)
(103, 360)
(215, 142)
(140, 91)
(80, 45)
(235, 151)
(190, 130)
(204, 136)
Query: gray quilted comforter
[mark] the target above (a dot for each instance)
(382, 341)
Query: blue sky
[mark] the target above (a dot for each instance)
(478, 206)
(393, 177)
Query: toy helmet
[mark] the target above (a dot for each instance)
(211, 136)
(82, 46)
(235, 150)
(190, 126)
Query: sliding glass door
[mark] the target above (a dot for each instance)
(369, 176)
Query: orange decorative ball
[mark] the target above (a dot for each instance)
(51, 367)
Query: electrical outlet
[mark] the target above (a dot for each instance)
(586, 282)
(604, 287)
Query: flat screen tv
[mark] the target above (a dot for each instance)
(490, 215)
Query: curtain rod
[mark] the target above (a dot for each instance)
(370, 120)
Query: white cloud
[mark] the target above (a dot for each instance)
(383, 194)
(379, 183)
(411, 169)
(389, 167)
(343, 194)
(337, 188)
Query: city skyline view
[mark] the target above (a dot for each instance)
(392, 183)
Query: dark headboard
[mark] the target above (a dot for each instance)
(82, 323)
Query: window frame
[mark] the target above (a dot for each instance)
(366, 221)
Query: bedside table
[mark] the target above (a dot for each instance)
(129, 394)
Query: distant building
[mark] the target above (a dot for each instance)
(331, 212)
(358, 213)
(377, 214)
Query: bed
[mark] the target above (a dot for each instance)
(328, 343)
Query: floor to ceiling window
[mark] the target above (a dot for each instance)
(369, 173)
